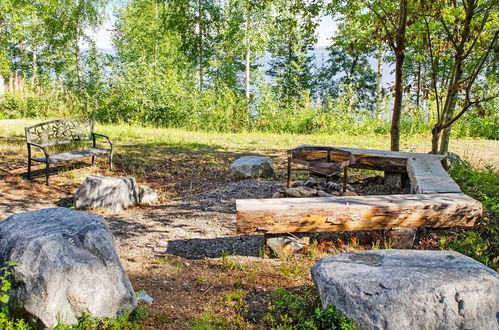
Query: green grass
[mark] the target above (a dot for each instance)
(251, 141)
(482, 241)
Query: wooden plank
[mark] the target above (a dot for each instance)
(286, 215)
(393, 161)
(429, 177)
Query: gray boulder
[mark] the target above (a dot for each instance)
(114, 193)
(67, 265)
(147, 195)
(409, 289)
(252, 167)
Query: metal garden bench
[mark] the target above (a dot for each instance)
(64, 131)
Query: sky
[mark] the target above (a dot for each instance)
(325, 30)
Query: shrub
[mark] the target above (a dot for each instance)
(482, 241)
(300, 309)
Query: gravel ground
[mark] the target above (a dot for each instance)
(198, 226)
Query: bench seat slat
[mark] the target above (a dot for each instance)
(56, 158)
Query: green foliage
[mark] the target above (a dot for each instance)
(129, 321)
(331, 318)
(301, 310)
(6, 321)
(482, 241)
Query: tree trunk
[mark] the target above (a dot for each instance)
(248, 56)
(155, 61)
(2, 85)
(453, 89)
(379, 78)
(200, 52)
(435, 139)
(397, 103)
(418, 88)
(34, 67)
(399, 62)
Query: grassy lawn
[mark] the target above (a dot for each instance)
(479, 152)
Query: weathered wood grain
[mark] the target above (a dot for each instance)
(356, 213)
(429, 177)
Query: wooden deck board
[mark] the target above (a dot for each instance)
(356, 213)
(429, 177)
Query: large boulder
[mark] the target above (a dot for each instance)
(67, 265)
(114, 193)
(252, 167)
(409, 289)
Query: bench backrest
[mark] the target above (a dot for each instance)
(60, 131)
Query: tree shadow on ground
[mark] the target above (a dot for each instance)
(199, 248)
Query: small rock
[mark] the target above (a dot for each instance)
(336, 193)
(278, 195)
(357, 178)
(453, 159)
(333, 186)
(253, 167)
(293, 192)
(143, 296)
(402, 238)
(322, 193)
(350, 193)
(147, 195)
(393, 180)
(306, 191)
(310, 182)
(285, 246)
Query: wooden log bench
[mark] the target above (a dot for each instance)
(436, 200)
(351, 213)
(64, 131)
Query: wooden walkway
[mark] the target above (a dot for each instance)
(436, 200)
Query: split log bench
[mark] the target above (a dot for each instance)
(64, 131)
(436, 200)
(351, 213)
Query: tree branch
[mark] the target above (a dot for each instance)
(464, 109)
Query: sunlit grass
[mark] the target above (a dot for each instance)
(257, 142)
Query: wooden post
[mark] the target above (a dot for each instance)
(345, 175)
(289, 173)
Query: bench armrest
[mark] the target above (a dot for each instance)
(38, 146)
(104, 136)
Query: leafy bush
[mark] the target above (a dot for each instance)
(6, 321)
(301, 310)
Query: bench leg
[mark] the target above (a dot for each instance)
(29, 169)
(111, 161)
(47, 181)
